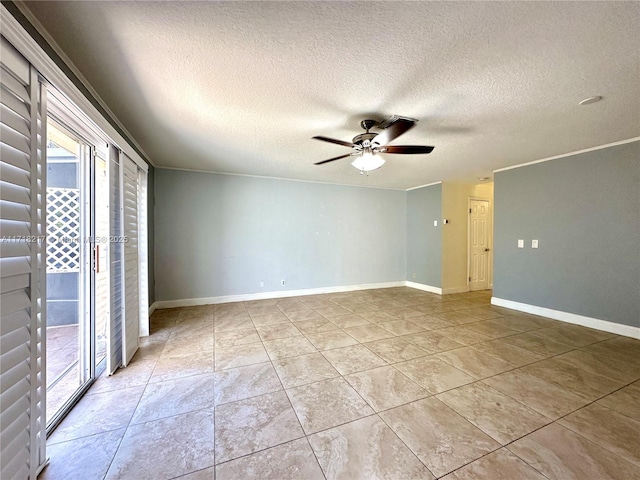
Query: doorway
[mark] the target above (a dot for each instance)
(76, 265)
(479, 244)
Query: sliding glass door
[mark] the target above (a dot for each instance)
(77, 263)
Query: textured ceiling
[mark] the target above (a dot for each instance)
(241, 87)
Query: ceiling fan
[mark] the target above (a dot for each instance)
(366, 146)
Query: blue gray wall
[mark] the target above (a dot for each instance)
(221, 235)
(585, 212)
(424, 241)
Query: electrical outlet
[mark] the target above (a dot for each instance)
(261, 284)
(520, 243)
(282, 282)
(435, 223)
(414, 275)
(534, 243)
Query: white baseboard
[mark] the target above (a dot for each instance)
(447, 291)
(190, 302)
(604, 325)
(152, 308)
(423, 287)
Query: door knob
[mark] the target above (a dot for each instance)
(486, 249)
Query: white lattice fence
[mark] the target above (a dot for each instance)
(63, 230)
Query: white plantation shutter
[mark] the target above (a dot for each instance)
(22, 274)
(131, 304)
(114, 345)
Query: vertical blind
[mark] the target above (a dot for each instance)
(22, 274)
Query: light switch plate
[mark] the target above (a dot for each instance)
(435, 223)
(534, 243)
(520, 243)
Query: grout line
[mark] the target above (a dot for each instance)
(372, 296)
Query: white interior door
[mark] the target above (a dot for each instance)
(479, 249)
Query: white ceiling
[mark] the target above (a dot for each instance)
(241, 87)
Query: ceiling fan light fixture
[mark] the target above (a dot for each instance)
(367, 161)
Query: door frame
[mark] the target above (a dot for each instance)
(489, 240)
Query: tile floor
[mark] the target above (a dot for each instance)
(393, 383)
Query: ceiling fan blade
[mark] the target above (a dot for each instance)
(333, 159)
(393, 131)
(333, 140)
(406, 149)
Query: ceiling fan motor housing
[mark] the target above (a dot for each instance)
(359, 139)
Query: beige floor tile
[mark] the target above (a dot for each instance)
(318, 325)
(516, 323)
(609, 429)
(187, 345)
(136, 374)
(490, 329)
(625, 401)
(260, 310)
(293, 308)
(273, 318)
(458, 317)
(573, 378)
(499, 416)
(98, 413)
(236, 337)
(303, 369)
(474, 363)
(277, 331)
(303, 315)
(498, 465)
(173, 397)
(293, 460)
(430, 322)
(405, 313)
(187, 329)
(366, 449)
(547, 398)
(484, 312)
(346, 321)
(69, 460)
(254, 424)
(259, 303)
(368, 333)
(395, 350)
(181, 444)
(239, 321)
(516, 356)
(240, 355)
(442, 439)
(401, 327)
(385, 387)
(432, 341)
(289, 347)
(433, 374)
(561, 454)
(353, 359)
(539, 345)
(361, 307)
(331, 339)
(332, 311)
(204, 474)
(378, 316)
(327, 404)
(462, 335)
(607, 366)
(573, 335)
(239, 383)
